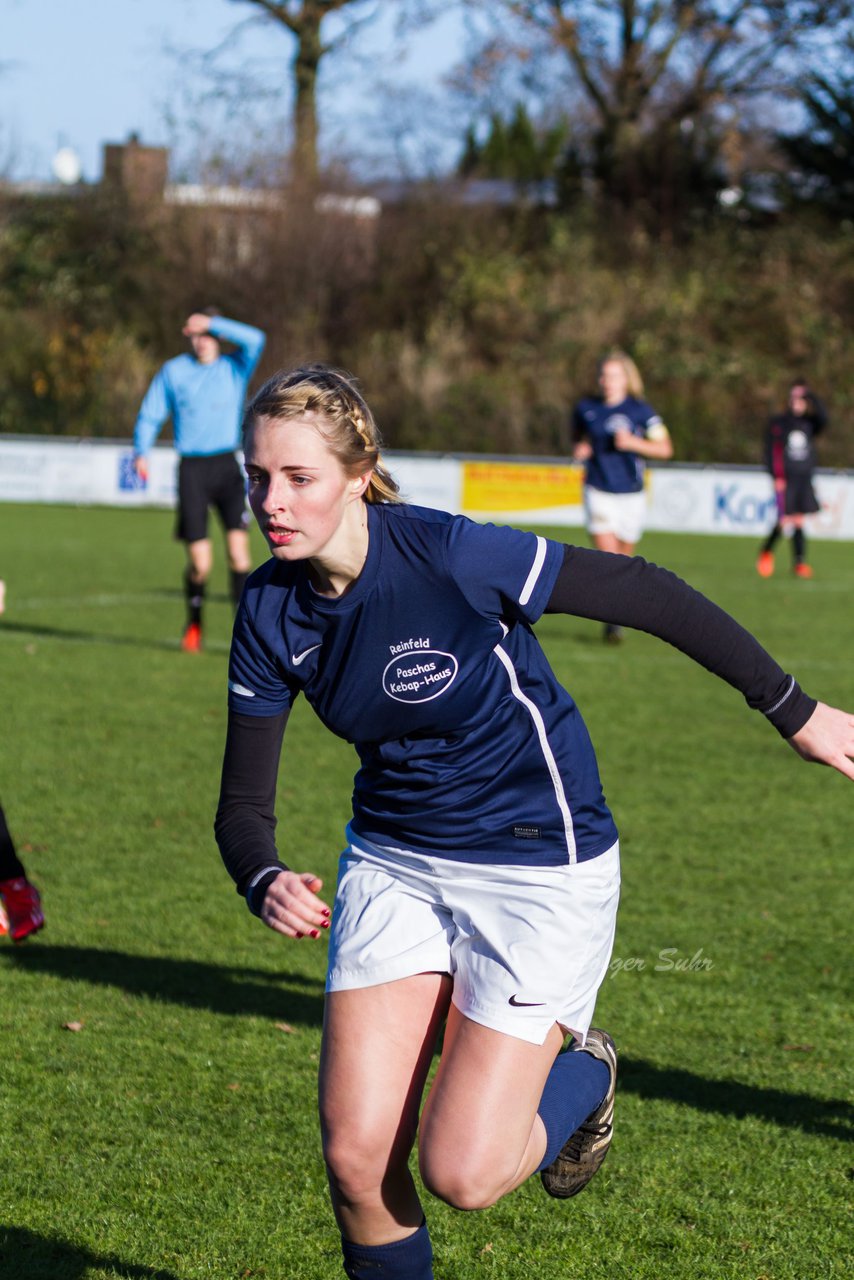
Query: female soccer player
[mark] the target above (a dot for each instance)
(790, 461)
(613, 434)
(479, 886)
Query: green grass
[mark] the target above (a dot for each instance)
(175, 1135)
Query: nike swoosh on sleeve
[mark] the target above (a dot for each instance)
(296, 658)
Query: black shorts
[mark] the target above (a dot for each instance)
(212, 481)
(800, 499)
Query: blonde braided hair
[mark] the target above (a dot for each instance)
(342, 418)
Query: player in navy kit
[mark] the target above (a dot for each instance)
(479, 886)
(790, 461)
(613, 434)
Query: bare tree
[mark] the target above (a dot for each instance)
(646, 65)
(303, 19)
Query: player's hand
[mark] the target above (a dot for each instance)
(625, 441)
(196, 324)
(779, 486)
(140, 466)
(827, 738)
(582, 450)
(292, 907)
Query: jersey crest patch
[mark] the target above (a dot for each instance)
(420, 676)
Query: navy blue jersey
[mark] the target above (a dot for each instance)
(610, 469)
(470, 748)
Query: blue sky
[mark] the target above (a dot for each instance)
(78, 73)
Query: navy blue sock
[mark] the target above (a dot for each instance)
(409, 1259)
(574, 1087)
(799, 545)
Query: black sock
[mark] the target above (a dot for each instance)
(237, 581)
(768, 544)
(799, 546)
(195, 595)
(10, 864)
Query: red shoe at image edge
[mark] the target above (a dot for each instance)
(23, 908)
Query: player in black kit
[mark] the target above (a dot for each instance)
(790, 461)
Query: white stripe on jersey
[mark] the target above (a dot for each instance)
(545, 747)
(536, 569)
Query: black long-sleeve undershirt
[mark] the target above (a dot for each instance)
(245, 824)
(629, 591)
(590, 584)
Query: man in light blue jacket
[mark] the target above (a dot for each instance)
(203, 393)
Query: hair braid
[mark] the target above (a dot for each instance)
(342, 417)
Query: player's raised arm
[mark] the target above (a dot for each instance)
(631, 592)
(246, 338)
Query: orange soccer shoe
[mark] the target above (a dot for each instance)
(802, 571)
(765, 564)
(191, 640)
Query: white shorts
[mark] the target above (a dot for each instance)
(525, 946)
(622, 514)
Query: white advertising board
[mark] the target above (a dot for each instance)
(686, 499)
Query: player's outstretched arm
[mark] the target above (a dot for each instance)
(827, 738)
(291, 905)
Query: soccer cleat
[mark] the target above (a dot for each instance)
(765, 564)
(612, 634)
(583, 1152)
(23, 908)
(191, 640)
(802, 571)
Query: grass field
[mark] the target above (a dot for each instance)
(174, 1135)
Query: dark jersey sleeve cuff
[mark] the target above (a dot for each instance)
(790, 709)
(258, 886)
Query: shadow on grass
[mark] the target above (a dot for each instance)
(237, 991)
(831, 1117)
(217, 988)
(90, 637)
(27, 1256)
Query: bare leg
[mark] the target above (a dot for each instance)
(237, 550)
(481, 1136)
(239, 561)
(378, 1044)
(199, 560)
(610, 542)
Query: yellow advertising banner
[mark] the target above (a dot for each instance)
(519, 486)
